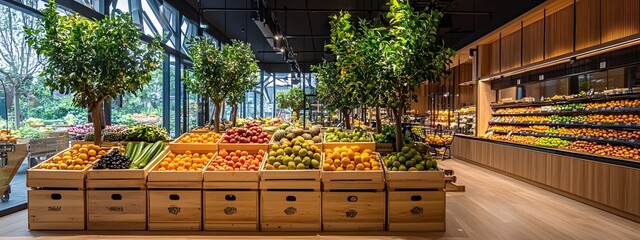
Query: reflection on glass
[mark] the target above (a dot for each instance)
(507, 93)
(556, 87)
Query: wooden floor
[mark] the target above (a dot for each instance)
(493, 207)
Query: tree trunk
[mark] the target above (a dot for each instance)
(398, 120)
(96, 116)
(216, 118)
(345, 116)
(224, 109)
(234, 114)
(16, 104)
(378, 120)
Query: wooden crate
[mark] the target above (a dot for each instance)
(116, 209)
(289, 179)
(352, 180)
(353, 211)
(175, 209)
(178, 146)
(290, 210)
(14, 161)
(174, 180)
(56, 209)
(416, 210)
(230, 210)
(414, 180)
(384, 147)
(363, 145)
(121, 178)
(246, 180)
(44, 178)
(245, 146)
(104, 144)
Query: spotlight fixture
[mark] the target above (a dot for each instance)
(282, 50)
(572, 60)
(277, 37)
(472, 52)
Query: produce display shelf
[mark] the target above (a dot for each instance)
(121, 178)
(572, 112)
(574, 124)
(585, 155)
(595, 98)
(179, 146)
(630, 142)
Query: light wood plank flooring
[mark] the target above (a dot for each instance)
(493, 207)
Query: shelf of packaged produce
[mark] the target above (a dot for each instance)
(572, 112)
(571, 124)
(631, 142)
(627, 162)
(597, 98)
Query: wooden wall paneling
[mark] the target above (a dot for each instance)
(600, 184)
(495, 57)
(511, 51)
(587, 23)
(484, 60)
(533, 42)
(485, 97)
(559, 32)
(632, 188)
(616, 186)
(620, 18)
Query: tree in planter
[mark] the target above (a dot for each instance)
(95, 60)
(292, 99)
(208, 79)
(411, 55)
(333, 95)
(243, 71)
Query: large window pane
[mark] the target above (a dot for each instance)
(144, 107)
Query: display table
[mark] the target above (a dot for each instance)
(607, 183)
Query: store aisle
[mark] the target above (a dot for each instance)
(493, 207)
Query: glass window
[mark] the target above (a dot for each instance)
(615, 78)
(172, 97)
(144, 107)
(556, 87)
(507, 93)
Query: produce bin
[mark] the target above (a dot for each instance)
(290, 200)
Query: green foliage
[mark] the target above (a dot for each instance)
(333, 95)
(292, 99)
(94, 60)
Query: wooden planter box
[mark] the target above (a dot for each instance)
(117, 209)
(416, 210)
(56, 209)
(353, 180)
(248, 180)
(178, 146)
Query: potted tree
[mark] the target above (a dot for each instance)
(244, 73)
(292, 99)
(95, 60)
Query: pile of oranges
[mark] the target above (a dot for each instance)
(186, 161)
(77, 158)
(350, 159)
(205, 138)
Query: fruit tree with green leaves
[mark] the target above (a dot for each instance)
(243, 71)
(331, 93)
(292, 99)
(412, 54)
(95, 60)
(208, 79)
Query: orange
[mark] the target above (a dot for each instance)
(83, 156)
(360, 166)
(336, 155)
(333, 168)
(355, 148)
(339, 169)
(162, 169)
(83, 150)
(375, 168)
(171, 166)
(366, 164)
(345, 161)
(357, 159)
(351, 167)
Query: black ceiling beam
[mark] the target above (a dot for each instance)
(303, 10)
(192, 13)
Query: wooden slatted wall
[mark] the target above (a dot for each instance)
(495, 57)
(587, 23)
(533, 42)
(620, 18)
(559, 32)
(511, 50)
